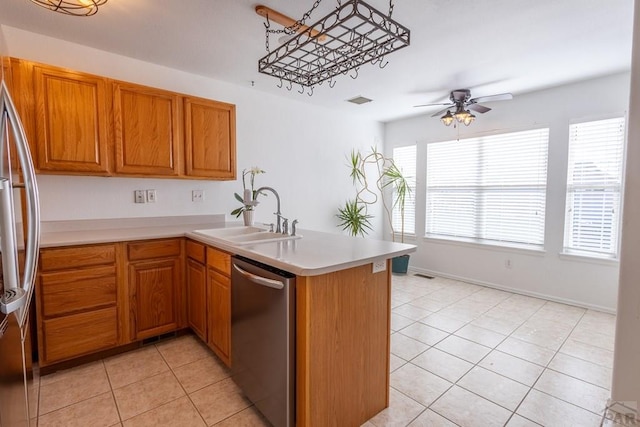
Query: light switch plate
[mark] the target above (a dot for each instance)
(139, 196)
(197, 196)
(379, 265)
(151, 196)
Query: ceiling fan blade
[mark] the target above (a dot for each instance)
(478, 108)
(490, 98)
(432, 105)
(441, 111)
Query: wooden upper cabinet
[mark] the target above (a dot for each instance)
(72, 121)
(210, 138)
(147, 130)
(82, 124)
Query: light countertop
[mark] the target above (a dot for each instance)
(314, 254)
(86, 232)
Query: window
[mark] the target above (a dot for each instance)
(594, 181)
(490, 189)
(405, 160)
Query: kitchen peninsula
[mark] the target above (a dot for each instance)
(342, 306)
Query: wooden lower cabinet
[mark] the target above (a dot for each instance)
(208, 274)
(342, 346)
(219, 303)
(80, 334)
(92, 298)
(197, 297)
(155, 287)
(77, 300)
(196, 276)
(220, 315)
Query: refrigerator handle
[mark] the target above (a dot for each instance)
(17, 299)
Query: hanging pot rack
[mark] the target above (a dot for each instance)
(353, 34)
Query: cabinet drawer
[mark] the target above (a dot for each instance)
(219, 260)
(72, 291)
(77, 256)
(79, 334)
(154, 249)
(196, 251)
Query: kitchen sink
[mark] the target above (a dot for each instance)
(245, 235)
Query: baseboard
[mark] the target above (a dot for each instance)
(622, 413)
(513, 290)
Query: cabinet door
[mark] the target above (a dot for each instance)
(154, 291)
(72, 121)
(147, 130)
(220, 315)
(210, 138)
(197, 297)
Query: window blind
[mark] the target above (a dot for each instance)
(405, 160)
(490, 189)
(594, 182)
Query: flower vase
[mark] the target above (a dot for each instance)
(248, 217)
(247, 196)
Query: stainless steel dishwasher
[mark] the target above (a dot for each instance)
(263, 338)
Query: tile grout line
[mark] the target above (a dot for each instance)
(113, 395)
(546, 367)
(70, 404)
(180, 384)
(494, 348)
(428, 407)
(188, 395)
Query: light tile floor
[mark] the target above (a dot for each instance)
(177, 383)
(461, 355)
(467, 355)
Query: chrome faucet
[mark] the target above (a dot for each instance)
(278, 213)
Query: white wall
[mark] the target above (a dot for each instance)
(301, 147)
(564, 278)
(3, 45)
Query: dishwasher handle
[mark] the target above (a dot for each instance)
(275, 284)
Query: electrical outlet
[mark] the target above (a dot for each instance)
(197, 196)
(379, 265)
(139, 196)
(151, 196)
(507, 263)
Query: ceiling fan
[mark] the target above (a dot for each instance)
(462, 102)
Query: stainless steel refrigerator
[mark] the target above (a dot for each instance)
(19, 244)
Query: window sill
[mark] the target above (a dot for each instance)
(579, 257)
(407, 237)
(507, 247)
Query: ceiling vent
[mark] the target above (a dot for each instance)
(359, 100)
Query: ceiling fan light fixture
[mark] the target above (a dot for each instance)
(461, 114)
(447, 119)
(72, 7)
(469, 119)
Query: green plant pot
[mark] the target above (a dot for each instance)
(400, 264)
